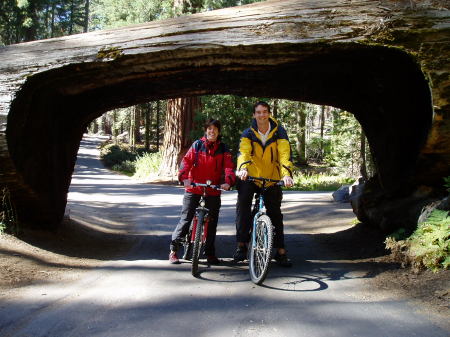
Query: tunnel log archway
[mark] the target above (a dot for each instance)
(384, 87)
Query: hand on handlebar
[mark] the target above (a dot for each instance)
(242, 174)
(225, 187)
(288, 181)
(187, 183)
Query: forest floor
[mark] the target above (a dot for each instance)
(65, 255)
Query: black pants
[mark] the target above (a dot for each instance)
(244, 218)
(190, 203)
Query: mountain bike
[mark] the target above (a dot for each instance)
(260, 248)
(198, 230)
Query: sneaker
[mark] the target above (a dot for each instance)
(240, 254)
(173, 259)
(212, 259)
(283, 260)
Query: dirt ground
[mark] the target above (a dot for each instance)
(72, 250)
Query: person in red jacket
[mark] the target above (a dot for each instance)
(207, 159)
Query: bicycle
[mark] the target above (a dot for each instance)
(198, 230)
(260, 248)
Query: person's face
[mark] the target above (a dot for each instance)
(261, 114)
(212, 133)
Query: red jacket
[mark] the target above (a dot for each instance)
(207, 160)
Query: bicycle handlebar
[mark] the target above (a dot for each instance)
(278, 182)
(215, 187)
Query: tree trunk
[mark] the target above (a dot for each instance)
(179, 123)
(115, 127)
(275, 109)
(86, 17)
(137, 123)
(148, 124)
(322, 126)
(363, 165)
(72, 14)
(131, 132)
(158, 114)
(301, 134)
(372, 54)
(31, 30)
(52, 25)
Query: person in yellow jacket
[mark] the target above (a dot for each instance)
(264, 151)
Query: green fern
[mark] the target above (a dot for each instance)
(447, 183)
(429, 245)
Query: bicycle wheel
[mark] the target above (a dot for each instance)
(196, 249)
(187, 246)
(261, 250)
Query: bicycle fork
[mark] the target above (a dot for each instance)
(258, 212)
(205, 228)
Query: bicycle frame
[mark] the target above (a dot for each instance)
(262, 236)
(201, 208)
(199, 227)
(260, 210)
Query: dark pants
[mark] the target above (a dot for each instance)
(190, 203)
(244, 218)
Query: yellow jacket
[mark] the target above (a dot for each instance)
(273, 160)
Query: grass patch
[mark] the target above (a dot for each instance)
(319, 182)
(147, 166)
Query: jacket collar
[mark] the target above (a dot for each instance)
(273, 126)
(208, 143)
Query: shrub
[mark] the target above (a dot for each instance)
(112, 155)
(127, 167)
(147, 165)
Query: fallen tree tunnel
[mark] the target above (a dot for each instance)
(383, 87)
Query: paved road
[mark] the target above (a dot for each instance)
(142, 295)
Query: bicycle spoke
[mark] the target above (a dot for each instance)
(261, 249)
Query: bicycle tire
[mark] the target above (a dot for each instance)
(261, 251)
(187, 246)
(196, 249)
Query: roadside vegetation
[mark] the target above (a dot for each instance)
(428, 247)
(8, 216)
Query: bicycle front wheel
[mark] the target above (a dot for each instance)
(261, 250)
(196, 249)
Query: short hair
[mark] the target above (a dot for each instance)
(264, 104)
(210, 122)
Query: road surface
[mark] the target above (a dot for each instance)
(142, 295)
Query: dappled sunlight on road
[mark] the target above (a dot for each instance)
(140, 293)
(130, 297)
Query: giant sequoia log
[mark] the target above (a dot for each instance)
(384, 61)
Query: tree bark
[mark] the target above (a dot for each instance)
(322, 126)
(362, 151)
(179, 123)
(148, 108)
(275, 109)
(86, 17)
(158, 126)
(301, 134)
